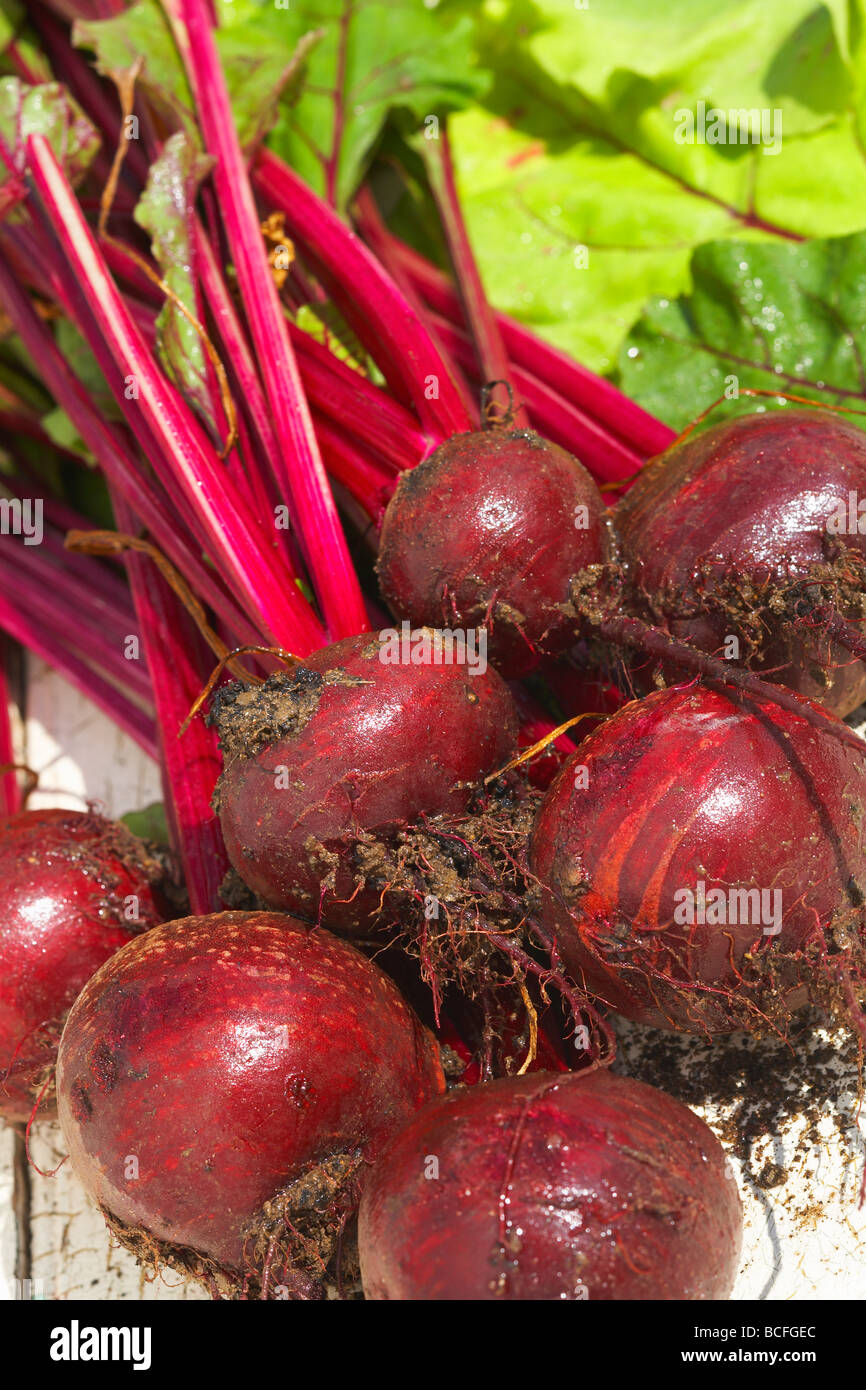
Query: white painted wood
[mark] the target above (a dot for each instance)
(7, 1222)
(805, 1238)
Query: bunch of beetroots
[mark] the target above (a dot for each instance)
(228, 1087)
(680, 793)
(232, 1086)
(653, 869)
(699, 863)
(738, 532)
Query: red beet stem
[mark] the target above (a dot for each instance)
(372, 228)
(178, 666)
(169, 433)
(301, 472)
(656, 643)
(483, 322)
(602, 400)
(111, 448)
(370, 301)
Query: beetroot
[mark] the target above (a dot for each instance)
(76, 888)
(324, 762)
(223, 1083)
(575, 1187)
(727, 534)
(487, 532)
(752, 811)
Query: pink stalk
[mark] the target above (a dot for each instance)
(351, 401)
(125, 388)
(61, 597)
(191, 762)
(165, 426)
(369, 300)
(53, 650)
(258, 443)
(302, 472)
(64, 289)
(600, 399)
(260, 447)
(10, 795)
(237, 350)
(80, 635)
(484, 325)
(602, 453)
(334, 389)
(371, 226)
(108, 445)
(351, 466)
(338, 391)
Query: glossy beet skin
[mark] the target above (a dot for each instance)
(686, 786)
(483, 533)
(560, 1187)
(342, 747)
(69, 881)
(750, 499)
(230, 1054)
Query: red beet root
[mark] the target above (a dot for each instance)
(324, 761)
(688, 788)
(551, 1187)
(487, 532)
(223, 1063)
(725, 534)
(76, 888)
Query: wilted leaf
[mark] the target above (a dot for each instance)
(166, 211)
(48, 110)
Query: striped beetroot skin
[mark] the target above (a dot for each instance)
(689, 785)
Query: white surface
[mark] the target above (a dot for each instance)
(805, 1238)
